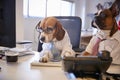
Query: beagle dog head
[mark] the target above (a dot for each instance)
(50, 29)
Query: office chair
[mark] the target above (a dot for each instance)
(73, 26)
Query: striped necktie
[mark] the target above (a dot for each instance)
(55, 52)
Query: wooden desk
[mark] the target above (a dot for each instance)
(22, 70)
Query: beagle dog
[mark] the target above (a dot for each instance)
(52, 34)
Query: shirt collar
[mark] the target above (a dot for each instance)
(116, 36)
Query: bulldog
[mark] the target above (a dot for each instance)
(108, 35)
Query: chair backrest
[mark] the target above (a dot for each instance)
(73, 26)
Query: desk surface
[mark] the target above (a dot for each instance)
(22, 70)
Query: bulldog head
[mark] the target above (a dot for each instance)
(105, 18)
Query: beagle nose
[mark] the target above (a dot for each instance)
(42, 38)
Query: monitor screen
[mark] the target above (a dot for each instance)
(7, 23)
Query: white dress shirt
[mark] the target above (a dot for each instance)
(111, 44)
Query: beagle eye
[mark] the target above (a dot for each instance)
(39, 29)
(49, 30)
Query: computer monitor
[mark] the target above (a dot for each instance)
(7, 23)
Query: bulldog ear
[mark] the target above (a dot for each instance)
(115, 8)
(60, 32)
(99, 7)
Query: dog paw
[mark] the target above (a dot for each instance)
(44, 59)
(66, 54)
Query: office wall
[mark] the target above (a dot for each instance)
(19, 20)
(29, 31)
(80, 6)
(25, 26)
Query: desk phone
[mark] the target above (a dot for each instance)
(84, 66)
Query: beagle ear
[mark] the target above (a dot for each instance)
(60, 32)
